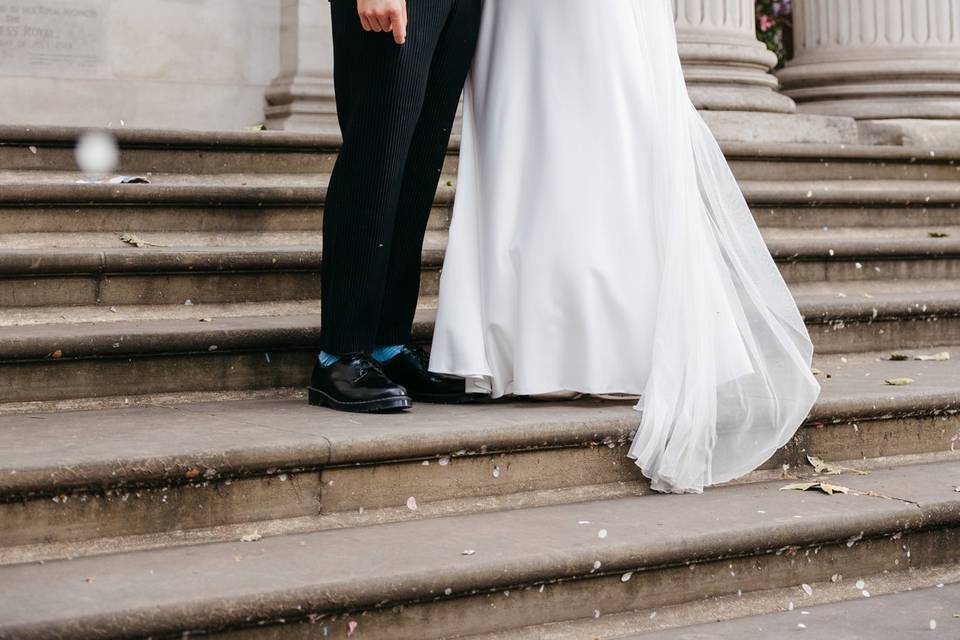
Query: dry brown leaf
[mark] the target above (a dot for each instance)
(827, 469)
(137, 241)
(828, 489)
(899, 382)
(936, 357)
(899, 357)
(938, 234)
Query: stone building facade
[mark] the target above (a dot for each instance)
(229, 64)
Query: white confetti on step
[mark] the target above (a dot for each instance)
(807, 589)
(861, 585)
(469, 552)
(626, 577)
(412, 503)
(933, 625)
(602, 534)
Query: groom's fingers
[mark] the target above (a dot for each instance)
(400, 25)
(365, 23)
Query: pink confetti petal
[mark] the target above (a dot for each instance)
(412, 503)
(351, 627)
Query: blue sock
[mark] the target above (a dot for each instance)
(383, 354)
(327, 359)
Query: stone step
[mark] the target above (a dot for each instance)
(78, 483)
(442, 577)
(787, 162)
(144, 150)
(873, 315)
(195, 152)
(57, 353)
(99, 268)
(906, 614)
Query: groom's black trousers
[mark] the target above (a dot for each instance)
(396, 106)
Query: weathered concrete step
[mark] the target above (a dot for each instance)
(34, 189)
(69, 478)
(909, 614)
(38, 188)
(256, 268)
(157, 151)
(146, 218)
(143, 150)
(59, 353)
(57, 269)
(849, 254)
(882, 314)
(442, 577)
(859, 193)
(753, 161)
(838, 216)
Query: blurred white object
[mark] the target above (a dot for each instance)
(97, 153)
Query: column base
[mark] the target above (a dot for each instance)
(888, 85)
(781, 128)
(925, 134)
(302, 104)
(731, 76)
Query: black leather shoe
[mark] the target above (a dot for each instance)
(356, 383)
(410, 369)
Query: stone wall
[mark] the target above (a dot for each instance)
(202, 64)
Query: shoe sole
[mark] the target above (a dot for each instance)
(320, 399)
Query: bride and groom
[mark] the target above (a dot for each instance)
(599, 242)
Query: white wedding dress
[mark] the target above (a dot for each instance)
(600, 244)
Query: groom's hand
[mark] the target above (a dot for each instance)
(386, 16)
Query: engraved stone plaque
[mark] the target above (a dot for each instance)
(53, 38)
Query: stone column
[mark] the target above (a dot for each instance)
(301, 97)
(876, 59)
(726, 66)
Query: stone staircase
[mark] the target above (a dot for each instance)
(198, 494)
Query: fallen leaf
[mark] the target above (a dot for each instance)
(899, 382)
(137, 241)
(825, 468)
(256, 127)
(56, 355)
(193, 473)
(938, 234)
(828, 489)
(936, 357)
(91, 579)
(899, 357)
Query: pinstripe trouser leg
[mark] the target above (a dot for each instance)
(396, 106)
